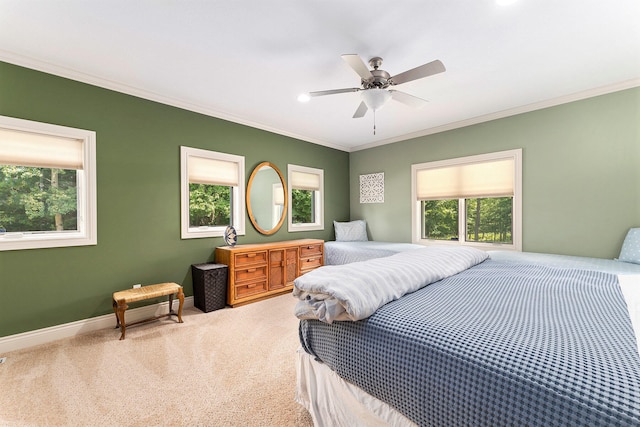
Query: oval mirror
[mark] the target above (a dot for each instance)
(266, 198)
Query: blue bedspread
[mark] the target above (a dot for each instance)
(498, 344)
(567, 261)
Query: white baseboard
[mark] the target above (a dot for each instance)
(53, 333)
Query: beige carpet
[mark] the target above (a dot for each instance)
(230, 367)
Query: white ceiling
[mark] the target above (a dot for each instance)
(247, 61)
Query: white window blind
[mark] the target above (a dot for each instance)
(486, 179)
(33, 149)
(305, 181)
(278, 195)
(211, 171)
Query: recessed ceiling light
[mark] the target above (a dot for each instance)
(304, 97)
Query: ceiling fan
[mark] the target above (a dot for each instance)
(374, 84)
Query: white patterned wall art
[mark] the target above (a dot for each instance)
(372, 188)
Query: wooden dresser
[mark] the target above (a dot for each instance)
(262, 270)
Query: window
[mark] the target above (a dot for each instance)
(306, 198)
(212, 193)
(472, 200)
(47, 185)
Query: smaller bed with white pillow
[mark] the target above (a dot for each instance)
(352, 245)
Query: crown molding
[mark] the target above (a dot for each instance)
(69, 73)
(72, 74)
(565, 99)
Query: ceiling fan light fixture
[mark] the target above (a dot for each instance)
(375, 98)
(304, 97)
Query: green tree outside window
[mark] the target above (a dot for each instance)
(302, 211)
(209, 205)
(36, 199)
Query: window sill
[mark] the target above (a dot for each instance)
(305, 227)
(203, 232)
(482, 246)
(19, 241)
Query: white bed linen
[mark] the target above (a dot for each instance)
(333, 402)
(630, 285)
(337, 253)
(355, 291)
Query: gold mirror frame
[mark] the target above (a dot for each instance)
(250, 209)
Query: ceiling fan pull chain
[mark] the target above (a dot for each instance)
(374, 122)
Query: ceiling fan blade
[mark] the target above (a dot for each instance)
(361, 111)
(358, 65)
(426, 70)
(334, 91)
(410, 100)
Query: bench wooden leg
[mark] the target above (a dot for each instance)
(180, 296)
(119, 309)
(181, 299)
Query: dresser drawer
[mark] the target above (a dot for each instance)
(251, 273)
(248, 258)
(310, 250)
(310, 263)
(252, 288)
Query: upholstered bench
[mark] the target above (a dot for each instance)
(122, 298)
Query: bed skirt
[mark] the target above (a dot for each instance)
(332, 401)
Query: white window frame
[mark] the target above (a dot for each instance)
(416, 215)
(87, 232)
(318, 202)
(238, 192)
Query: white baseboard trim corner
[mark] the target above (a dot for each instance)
(66, 330)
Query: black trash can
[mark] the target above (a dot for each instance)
(209, 286)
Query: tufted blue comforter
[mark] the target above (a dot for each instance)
(499, 344)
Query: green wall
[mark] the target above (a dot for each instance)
(581, 173)
(581, 187)
(138, 176)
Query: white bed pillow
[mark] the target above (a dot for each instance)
(630, 251)
(352, 231)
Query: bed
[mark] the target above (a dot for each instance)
(337, 253)
(488, 340)
(352, 244)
